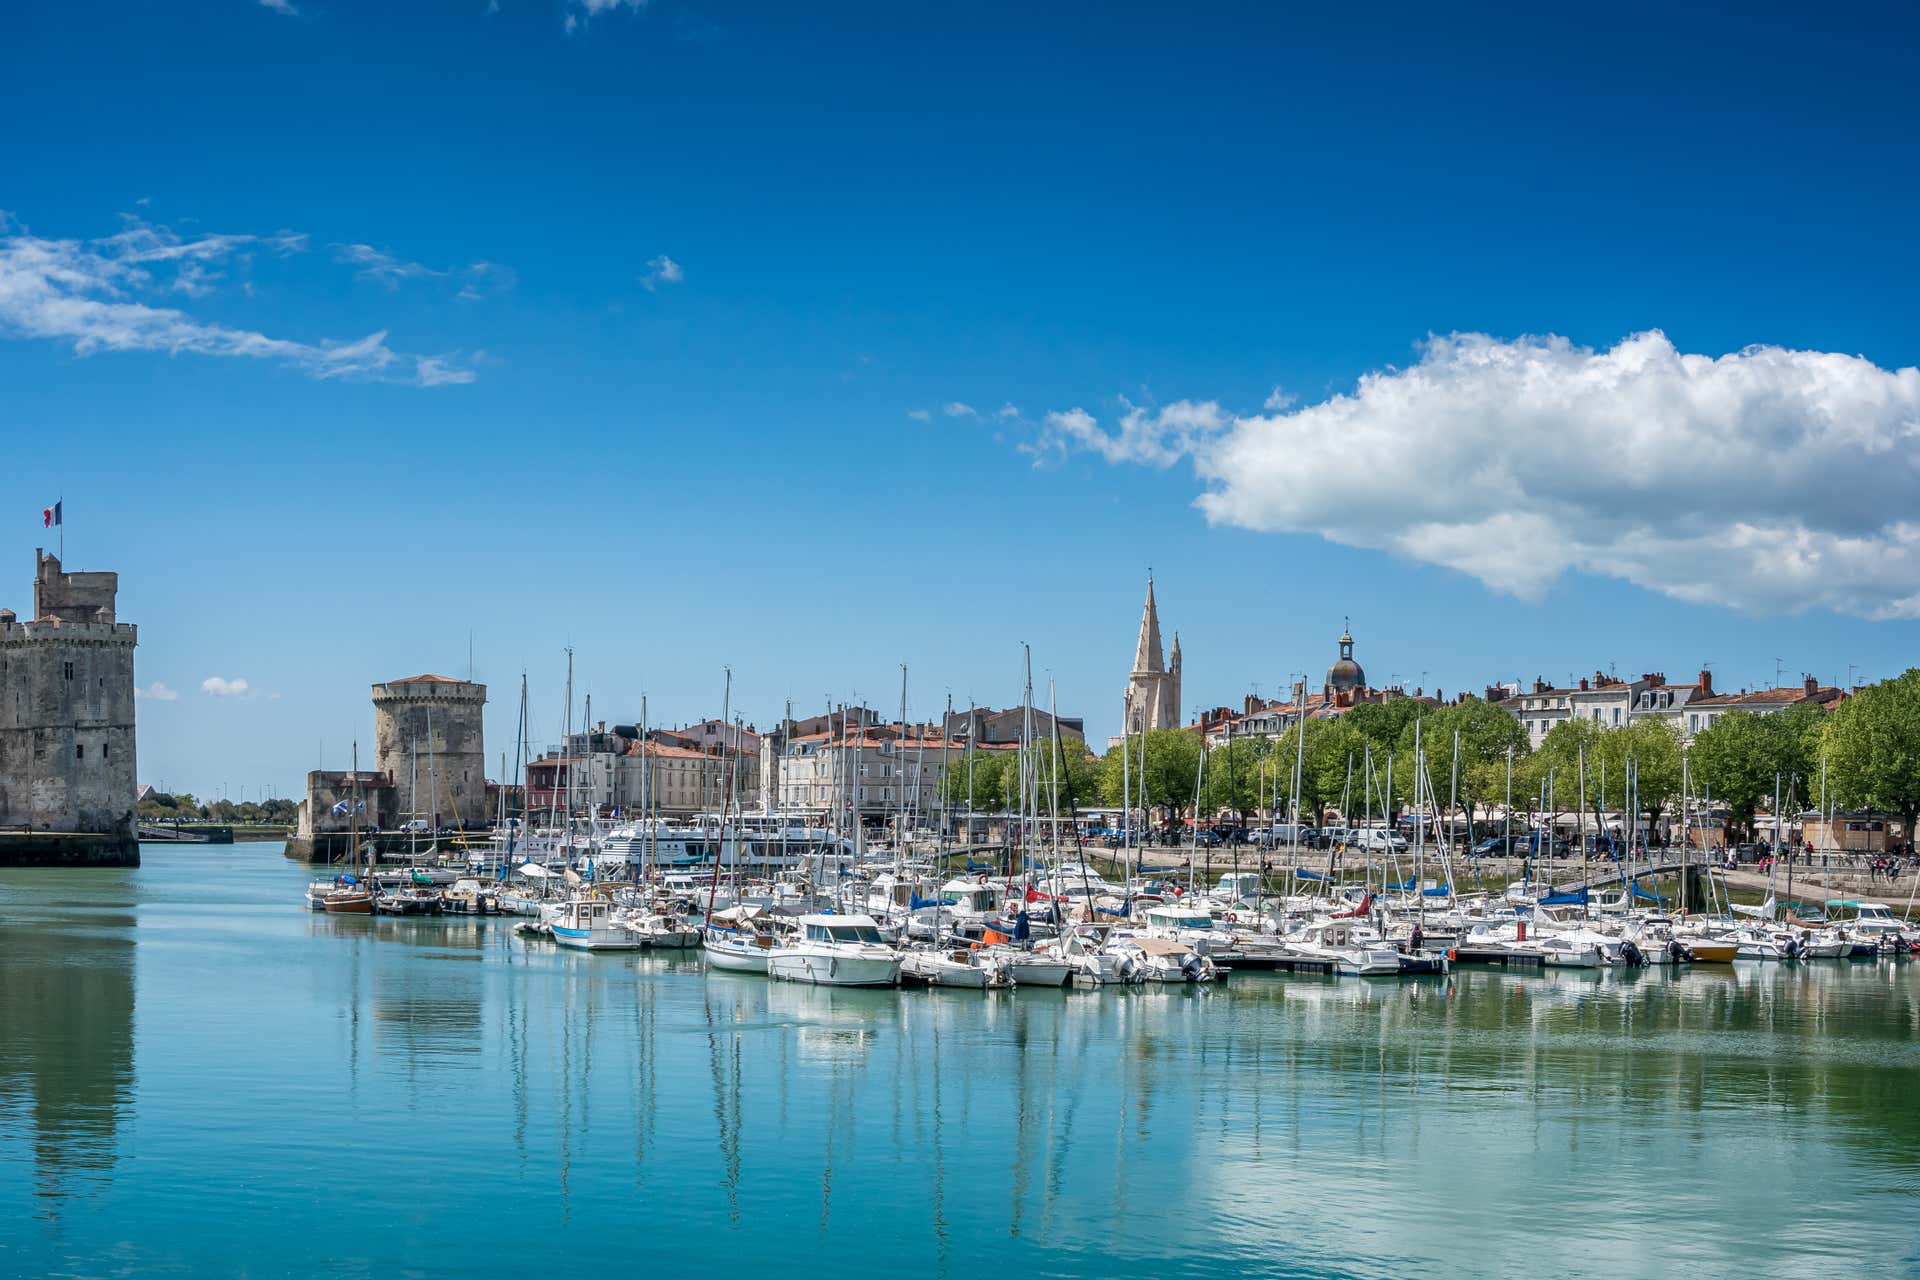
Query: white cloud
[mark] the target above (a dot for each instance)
(280, 6)
(920, 415)
(1278, 399)
(380, 266)
(1006, 411)
(580, 11)
(221, 687)
(661, 270)
(1769, 480)
(158, 691)
(955, 409)
(85, 292)
(1156, 437)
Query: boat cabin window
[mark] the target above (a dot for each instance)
(842, 933)
(1180, 920)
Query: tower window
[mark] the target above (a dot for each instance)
(79, 752)
(69, 669)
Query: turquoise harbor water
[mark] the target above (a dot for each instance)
(200, 1077)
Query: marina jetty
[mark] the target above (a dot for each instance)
(67, 779)
(428, 777)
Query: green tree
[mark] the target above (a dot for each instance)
(1872, 746)
(1236, 777)
(1486, 733)
(1173, 761)
(988, 775)
(1383, 724)
(1332, 747)
(1739, 755)
(1080, 773)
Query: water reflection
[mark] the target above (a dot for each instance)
(66, 1030)
(1274, 1125)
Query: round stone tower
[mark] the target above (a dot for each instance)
(427, 738)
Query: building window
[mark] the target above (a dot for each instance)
(1693, 724)
(106, 751)
(79, 752)
(69, 669)
(1616, 720)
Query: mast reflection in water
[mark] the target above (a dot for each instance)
(320, 1095)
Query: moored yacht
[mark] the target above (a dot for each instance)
(837, 951)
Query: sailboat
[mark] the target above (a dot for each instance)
(354, 896)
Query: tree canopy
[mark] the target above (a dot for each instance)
(1738, 756)
(1872, 747)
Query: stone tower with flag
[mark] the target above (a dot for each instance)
(67, 767)
(1153, 688)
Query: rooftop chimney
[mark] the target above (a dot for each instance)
(1583, 684)
(1706, 684)
(1812, 686)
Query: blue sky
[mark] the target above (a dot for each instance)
(872, 214)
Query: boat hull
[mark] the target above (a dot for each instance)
(827, 970)
(737, 960)
(595, 939)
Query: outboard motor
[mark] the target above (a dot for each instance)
(1677, 953)
(1630, 954)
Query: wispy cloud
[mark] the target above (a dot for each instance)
(158, 691)
(920, 415)
(380, 266)
(580, 12)
(1517, 461)
(477, 280)
(87, 293)
(1006, 412)
(661, 270)
(221, 687)
(280, 6)
(955, 409)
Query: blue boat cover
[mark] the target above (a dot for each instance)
(1642, 894)
(1402, 887)
(1438, 891)
(915, 902)
(1578, 898)
(1305, 874)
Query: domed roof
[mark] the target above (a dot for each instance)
(1346, 674)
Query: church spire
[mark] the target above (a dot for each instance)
(1146, 653)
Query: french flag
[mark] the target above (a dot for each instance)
(51, 515)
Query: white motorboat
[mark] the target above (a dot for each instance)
(1569, 951)
(836, 951)
(1167, 960)
(587, 924)
(1341, 941)
(953, 967)
(1032, 968)
(740, 939)
(661, 931)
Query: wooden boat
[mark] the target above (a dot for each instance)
(352, 898)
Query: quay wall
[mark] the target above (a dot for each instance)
(68, 849)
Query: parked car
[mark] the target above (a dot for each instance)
(1380, 838)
